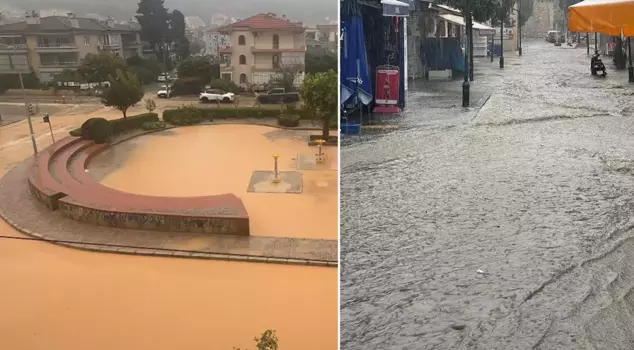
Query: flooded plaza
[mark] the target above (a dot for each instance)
(61, 298)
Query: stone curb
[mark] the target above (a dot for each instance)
(165, 253)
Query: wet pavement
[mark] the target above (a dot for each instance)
(502, 227)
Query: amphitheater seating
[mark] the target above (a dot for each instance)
(59, 181)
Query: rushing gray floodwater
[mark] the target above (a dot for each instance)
(505, 227)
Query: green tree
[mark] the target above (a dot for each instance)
(484, 10)
(526, 8)
(177, 33)
(285, 76)
(124, 92)
(97, 68)
(267, 341)
(198, 67)
(146, 69)
(319, 93)
(320, 62)
(154, 21)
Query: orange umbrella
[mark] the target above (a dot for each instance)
(611, 17)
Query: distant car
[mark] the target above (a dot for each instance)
(553, 35)
(216, 95)
(164, 92)
(278, 95)
(163, 78)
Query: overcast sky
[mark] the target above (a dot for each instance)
(308, 11)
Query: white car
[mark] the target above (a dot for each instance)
(164, 77)
(215, 95)
(164, 92)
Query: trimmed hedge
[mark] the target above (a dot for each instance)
(288, 121)
(133, 122)
(96, 129)
(153, 125)
(185, 116)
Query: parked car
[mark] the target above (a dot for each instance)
(165, 91)
(164, 77)
(553, 35)
(278, 95)
(210, 95)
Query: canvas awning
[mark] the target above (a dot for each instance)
(483, 29)
(602, 16)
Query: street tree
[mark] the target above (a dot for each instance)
(267, 341)
(526, 10)
(97, 68)
(286, 74)
(154, 20)
(198, 67)
(319, 94)
(124, 92)
(318, 62)
(484, 10)
(177, 33)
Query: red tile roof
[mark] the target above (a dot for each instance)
(264, 21)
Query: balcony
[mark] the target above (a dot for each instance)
(132, 44)
(56, 47)
(17, 48)
(276, 49)
(53, 66)
(108, 46)
(277, 67)
(226, 67)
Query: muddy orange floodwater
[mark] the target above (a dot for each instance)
(216, 159)
(54, 298)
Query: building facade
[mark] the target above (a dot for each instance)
(261, 47)
(214, 41)
(49, 45)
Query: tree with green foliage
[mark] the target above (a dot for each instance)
(285, 76)
(267, 341)
(177, 33)
(146, 69)
(319, 93)
(526, 10)
(319, 62)
(154, 20)
(198, 67)
(97, 68)
(124, 92)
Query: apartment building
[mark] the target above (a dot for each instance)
(260, 47)
(48, 45)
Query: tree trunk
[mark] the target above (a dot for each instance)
(125, 115)
(325, 134)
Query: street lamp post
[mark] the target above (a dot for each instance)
(629, 54)
(465, 84)
(26, 104)
(519, 26)
(501, 41)
(470, 24)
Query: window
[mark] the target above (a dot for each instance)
(276, 61)
(276, 41)
(243, 78)
(225, 76)
(86, 40)
(241, 40)
(243, 59)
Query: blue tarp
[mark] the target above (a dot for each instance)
(353, 62)
(442, 53)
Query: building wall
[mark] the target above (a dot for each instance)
(543, 19)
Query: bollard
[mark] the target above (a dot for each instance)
(276, 176)
(320, 154)
(47, 119)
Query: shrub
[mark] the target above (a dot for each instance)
(183, 116)
(132, 122)
(188, 86)
(75, 132)
(96, 129)
(226, 85)
(288, 120)
(153, 125)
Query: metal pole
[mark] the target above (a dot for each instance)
(465, 84)
(470, 47)
(492, 45)
(501, 41)
(629, 53)
(26, 106)
(595, 42)
(519, 25)
(588, 43)
(50, 127)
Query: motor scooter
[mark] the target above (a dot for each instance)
(596, 65)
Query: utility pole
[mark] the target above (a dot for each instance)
(470, 24)
(519, 26)
(629, 54)
(501, 39)
(26, 104)
(465, 85)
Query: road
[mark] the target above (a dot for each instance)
(502, 227)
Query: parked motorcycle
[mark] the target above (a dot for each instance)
(596, 65)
